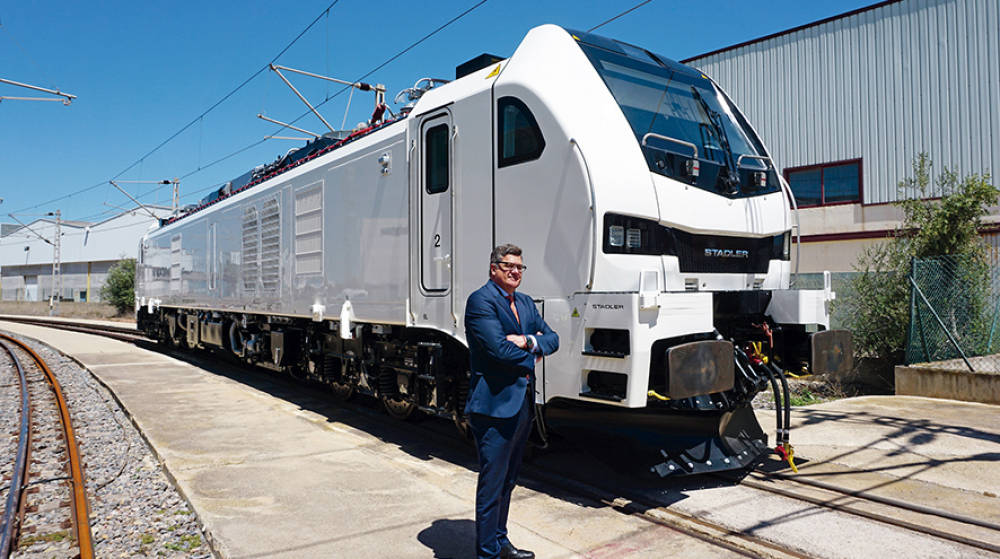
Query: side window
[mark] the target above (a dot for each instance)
(518, 138)
(826, 184)
(436, 159)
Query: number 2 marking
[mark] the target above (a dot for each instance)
(437, 240)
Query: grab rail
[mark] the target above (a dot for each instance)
(743, 156)
(669, 139)
(593, 212)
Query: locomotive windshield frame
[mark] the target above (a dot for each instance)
(678, 114)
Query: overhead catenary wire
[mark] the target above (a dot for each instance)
(337, 93)
(626, 12)
(193, 121)
(267, 137)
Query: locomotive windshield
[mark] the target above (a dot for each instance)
(687, 127)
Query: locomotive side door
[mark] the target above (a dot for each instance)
(435, 179)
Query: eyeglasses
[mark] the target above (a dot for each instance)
(510, 266)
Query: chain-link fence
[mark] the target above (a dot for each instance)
(955, 313)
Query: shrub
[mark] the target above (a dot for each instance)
(877, 303)
(119, 287)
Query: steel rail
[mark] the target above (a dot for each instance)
(634, 505)
(684, 523)
(889, 501)
(81, 518)
(885, 519)
(13, 506)
(115, 332)
(712, 533)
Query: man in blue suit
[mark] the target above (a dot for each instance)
(506, 338)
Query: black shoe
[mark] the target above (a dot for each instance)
(510, 552)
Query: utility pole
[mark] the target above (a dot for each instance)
(56, 271)
(177, 196)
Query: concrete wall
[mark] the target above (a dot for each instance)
(81, 281)
(935, 382)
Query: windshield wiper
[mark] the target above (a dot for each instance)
(731, 178)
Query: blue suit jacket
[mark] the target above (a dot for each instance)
(501, 371)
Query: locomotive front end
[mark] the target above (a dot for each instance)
(689, 313)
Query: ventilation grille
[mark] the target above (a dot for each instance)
(270, 245)
(251, 240)
(175, 263)
(309, 230)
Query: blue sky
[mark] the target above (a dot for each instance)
(143, 70)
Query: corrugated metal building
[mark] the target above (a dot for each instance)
(87, 252)
(846, 103)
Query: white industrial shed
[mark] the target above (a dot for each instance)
(87, 252)
(846, 103)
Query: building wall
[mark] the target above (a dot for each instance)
(87, 251)
(882, 85)
(76, 285)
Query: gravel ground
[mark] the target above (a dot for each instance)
(134, 509)
(803, 392)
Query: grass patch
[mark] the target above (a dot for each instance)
(28, 541)
(186, 543)
(67, 309)
(804, 398)
(146, 539)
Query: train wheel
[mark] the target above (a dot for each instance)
(341, 391)
(397, 408)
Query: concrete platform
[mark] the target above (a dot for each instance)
(279, 471)
(271, 477)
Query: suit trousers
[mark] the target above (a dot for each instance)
(500, 443)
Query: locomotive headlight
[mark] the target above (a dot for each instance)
(632, 235)
(633, 238)
(616, 235)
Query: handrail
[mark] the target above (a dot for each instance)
(669, 139)
(452, 237)
(798, 229)
(743, 156)
(593, 211)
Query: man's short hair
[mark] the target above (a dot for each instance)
(500, 251)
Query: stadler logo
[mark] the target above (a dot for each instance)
(726, 253)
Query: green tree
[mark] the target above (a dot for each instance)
(119, 287)
(876, 305)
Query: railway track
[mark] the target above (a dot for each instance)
(933, 521)
(121, 333)
(973, 532)
(46, 494)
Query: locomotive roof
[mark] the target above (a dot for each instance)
(430, 100)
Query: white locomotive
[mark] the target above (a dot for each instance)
(655, 226)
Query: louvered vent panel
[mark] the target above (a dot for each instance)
(309, 230)
(251, 260)
(270, 245)
(175, 263)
